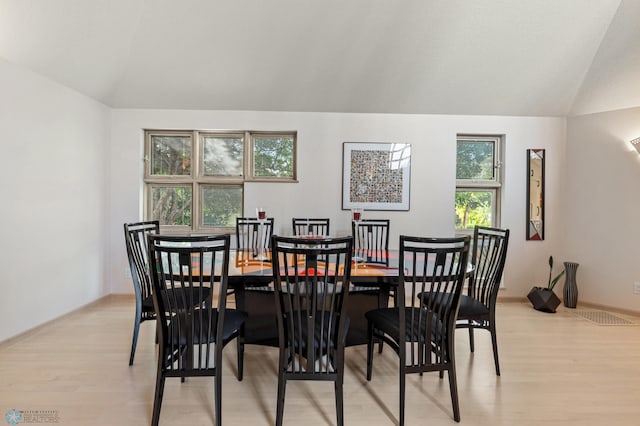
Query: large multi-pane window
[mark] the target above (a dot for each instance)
(478, 182)
(194, 180)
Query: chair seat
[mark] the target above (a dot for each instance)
(204, 326)
(147, 304)
(387, 320)
(470, 307)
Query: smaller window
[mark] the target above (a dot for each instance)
(222, 155)
(171, 204)
(273, 156)
(220, 205)
(474, 207)
(170, 155)
(478, 182)
(476, 160)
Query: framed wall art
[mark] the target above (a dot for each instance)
(376, 176)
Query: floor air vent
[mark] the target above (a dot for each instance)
(603, 318)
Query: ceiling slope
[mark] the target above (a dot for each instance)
(613, 80)
(487, 57)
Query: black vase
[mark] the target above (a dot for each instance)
(570, 291)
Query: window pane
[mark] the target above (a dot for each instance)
(221, 204)
(273, 156)
(474, 208)
(223, 156)
(475, 160)
(171, 205)
(170, 155)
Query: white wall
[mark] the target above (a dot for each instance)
(602, 207)
(318, 193)
(53, 212)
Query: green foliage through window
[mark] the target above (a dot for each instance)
(196, 179)
(223, 156)
(473, 208)
(171, 205)
(475, 160)
(170, 155)
(478, 182)
(273, 156)
(221, 205)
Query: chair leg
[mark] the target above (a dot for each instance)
(494, 342)
(383, 302)
(282, 384)
(240, 345)
(369, 350)
(471, 342)
(157, 400)
(402, 390)
(187, 361)
(453, 381)
(217, 394)
(453, 388)
(136, 329)
(339, 398)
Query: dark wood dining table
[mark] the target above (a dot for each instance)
(373, 276)
(250, 273)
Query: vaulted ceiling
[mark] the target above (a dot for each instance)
(487, 57)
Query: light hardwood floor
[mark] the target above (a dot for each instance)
(557, 369)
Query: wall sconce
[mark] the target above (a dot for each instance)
(636, 144)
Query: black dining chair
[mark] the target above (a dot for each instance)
(310, 226)
(311, 278)
(191, 337)
(478, 306)
(421, 329)
(253, 234)
(371, 246)
(135, 238)
(254, 295)
(371, 240)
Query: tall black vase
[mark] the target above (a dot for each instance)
(570, 286)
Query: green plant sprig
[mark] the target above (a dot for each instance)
(552, 283)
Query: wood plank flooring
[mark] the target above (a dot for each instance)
(557, 369)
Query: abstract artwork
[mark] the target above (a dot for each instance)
(375, 176)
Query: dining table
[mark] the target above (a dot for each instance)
(374, 275)
(373, 279)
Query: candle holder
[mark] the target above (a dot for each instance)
(356, 215)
